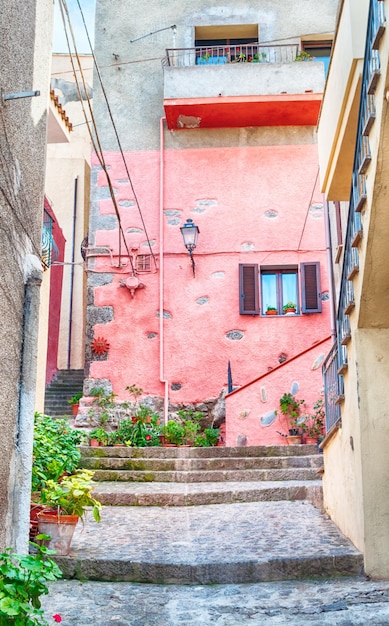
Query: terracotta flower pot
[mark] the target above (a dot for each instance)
(60, 528)
(94, 443)
(294, 439)
(75, 409)
(271, 312)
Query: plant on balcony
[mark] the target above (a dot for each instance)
(304, 56)
(271, 310)
(289, 307)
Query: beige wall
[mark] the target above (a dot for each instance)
(338, 118)
(66, 163)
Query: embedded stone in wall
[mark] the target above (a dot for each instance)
(247, 246)
(104, 193)
(295, 387)
(134, 230)
(151, 335)
(263, 394)
(235, 335)
(166, 315)
(218, 275)
(271, 213)
(241, 440)
(172, 212)
(104, 222)
(175, 386)
(203, 300)
(316, 210)
(123, 181)
(203, 205)
(149, 244)
(317, 362)
(268, 418)
(126, 203)
(96, 279)
(325, 296)
(100, 314)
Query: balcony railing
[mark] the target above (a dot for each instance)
(221, 55)
(333, 387)
(50, 250)
(336, 363)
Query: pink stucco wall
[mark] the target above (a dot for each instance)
(228, 193)
(250, 411)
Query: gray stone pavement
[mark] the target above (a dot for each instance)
(209, 544)
(338, 602)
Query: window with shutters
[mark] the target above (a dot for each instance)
(279, 286)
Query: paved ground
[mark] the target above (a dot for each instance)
(210, 544)
(340, 602)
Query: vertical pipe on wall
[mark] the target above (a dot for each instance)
(21, 490)
(72, 272)
(330, 268)
(161, 275)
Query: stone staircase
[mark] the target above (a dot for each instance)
(65, 385)
(208, 516)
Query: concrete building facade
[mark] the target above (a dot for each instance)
(25, 50)
(222, 133)
(354, 173)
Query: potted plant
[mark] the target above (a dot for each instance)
(271, 310)
(313, 425)
(75, 402)
(67, 502)
(304, 56)
(173, 432)
(191, 430)
(290, 407)
(289, 307)
(212, 435)
(98, 436)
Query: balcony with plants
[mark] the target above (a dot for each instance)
(241, 85)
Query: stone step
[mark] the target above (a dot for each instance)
(204, 476)
(206, 464)
(192, 494)
(185, 452)
(213, 544)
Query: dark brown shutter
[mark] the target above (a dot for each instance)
(310, 287)
(248, 289)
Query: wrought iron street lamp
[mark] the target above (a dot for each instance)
(189, 234)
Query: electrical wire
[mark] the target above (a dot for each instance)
(309, 204)
(95, 142)
(117, 135)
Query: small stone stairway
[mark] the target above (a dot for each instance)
(65, 385)
(208, 516)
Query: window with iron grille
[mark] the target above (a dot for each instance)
(143, 263)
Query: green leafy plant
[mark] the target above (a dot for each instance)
(100, 434)
(55, 450)
(72, 495)
(304, 56)
(104, 403)
(75, 399)
(290, 407)
(313, 424)
(23, 580)
(212, 435)
(289, 305)
(190, 432)
(173, 432)
(271, 308)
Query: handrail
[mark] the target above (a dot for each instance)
(222, 55)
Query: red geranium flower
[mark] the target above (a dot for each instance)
(148, 437)
(57, 618)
